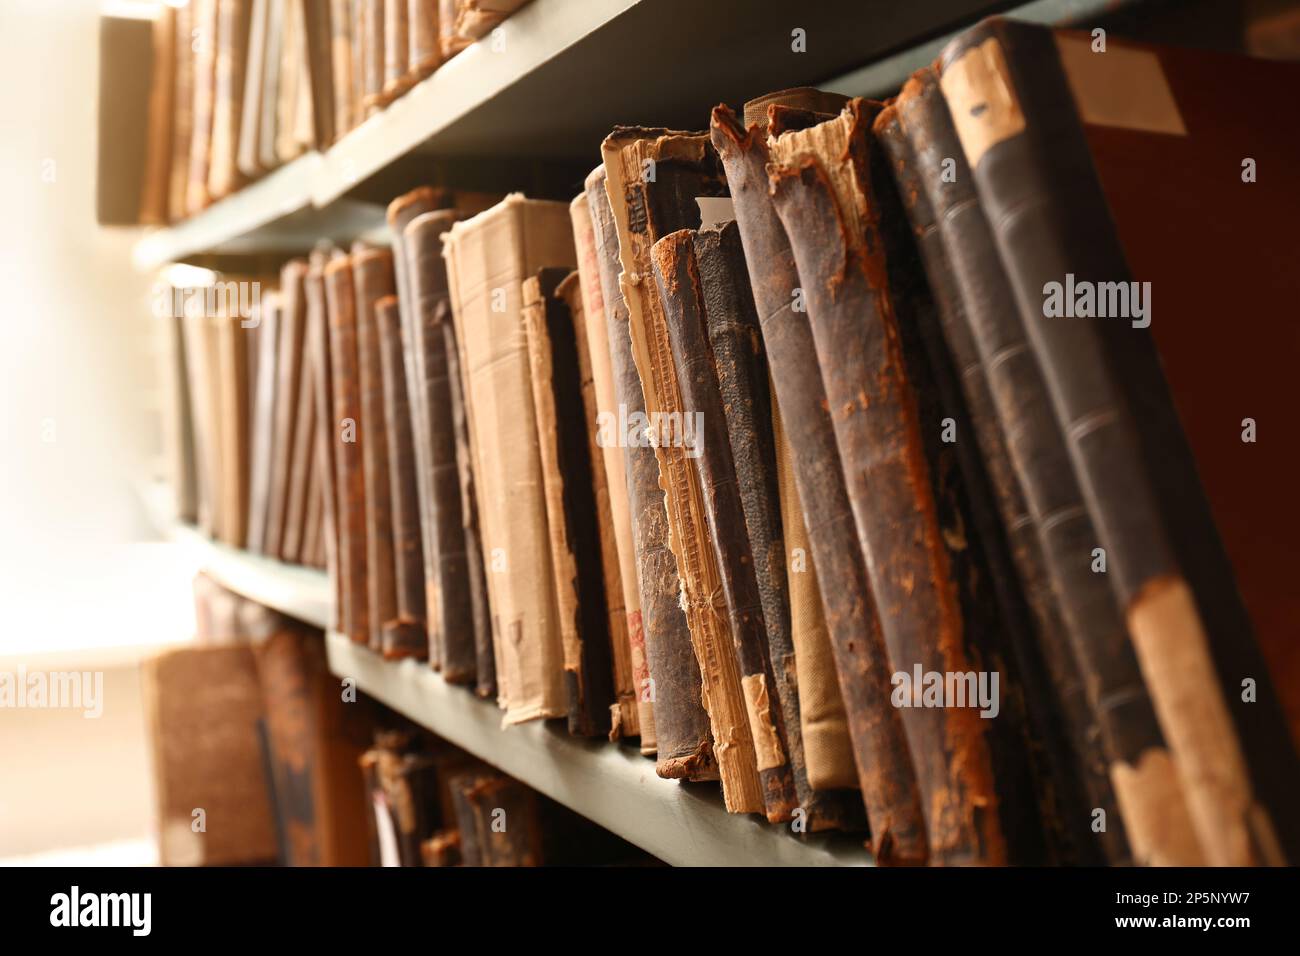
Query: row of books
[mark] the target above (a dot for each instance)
(835, 453)
(261, 756)
(239, 87)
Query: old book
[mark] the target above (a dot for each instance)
(315, 740)
(478, 18)
(318, 33)
(454, 582)
(341, 28)
(569, 491)
(919, 135)
(327, 424)
(358, 50)
(884, 764)
(293, 105)
(203, 706)
(179, 421)
(372, 278)
(311, 551)
(372, 55)
(488, 256)
(912, 512)
(449, 40)
(423, 51)
(678, 276)
(671, 680)
(292, 323)
(397, 64)
(194, 339)
(1170, 478)
(155, 185)
(441, 849)
(348, 442)
(233, 421)
(497, 819)
(646, 210)
(182, 115)
(248, 156)
(302, 455)
(263, 425)
(405, 635)
(268, 120)
(224, 176)
(584, 296)
(204, 44)
(406, 778)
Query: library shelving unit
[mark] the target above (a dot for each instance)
(540, 96)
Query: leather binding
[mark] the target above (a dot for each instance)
(232, 370)
(477, 18)
(405, 636)
(884, 764)
(406, 777)
(155, 183)
(263, 436)
(571, 516)
(372, 278)
(634, 717)
(483, 798)
(397, 67)
(865, 295)
(320, 76)
(449, 40)
(232, 63)
(301, 458)
(460, 629)
(348, 440)
(183, 116)
(961, 395)
(247, 156)
(341, 27)
(488, 257)
(293, 314)
(202, 762)
(423, 53)
(671, 676)
(950, 226)
(327, 422)
(681, 290)
(315, 740)
(272, 67)
(645, 211)
(204, 45)
(372, 55)
(735, 344)
(624, 720)
(1120, 409)
(310, 553)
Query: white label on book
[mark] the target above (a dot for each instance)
(1123, 87)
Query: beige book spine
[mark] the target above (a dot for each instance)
(227, 112)
(183, 126)
(204, 43)
(162, 112)
(293, 57)
(341, 29)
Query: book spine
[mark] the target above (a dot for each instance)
(301, 458)
(318, 343)
(450, 583)
(248, 158)
(885, 769)
(397, 66)
(671, 675)
(183, 117)
(483, 800)
(407, 637)
(231, 65)
(372, 55)
(424, 52)
(341, 32)
(293, 309)
(313, 514)
(268, 326)
(350, 484)
(372, 275)
(161, 112)
(645, 211)
(1104, 441)
(681, 290)
(204, 44)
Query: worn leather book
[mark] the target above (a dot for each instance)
(232, 61)
(155, 184)
(404, 636)
(263, 425)
(671, 678)
(311, 554)
(327, 424)
(461, 629)
(645, 211)
(294, 131)
(301, 458)
(269, 103)
(204, 44)
(962, 401)
(233, 422)
(622, 595)
(248, 156)
(478, 18)
(372, 279)
(497, 819)
(315, 740)
(406, 785)
(1170, 477)
(488, 256)
(203, 705)
(182, 134)
(441, 849)
(372, 55)
(358, 45)
(341, 27)
(348, 440)
(624, 719)
(866, 298)
(320, 71)
(884, 763)
(423, 51)
(740, 369)
(571, 516)
(681, 292)
(397, 65)
(921, 139)
(292, 325)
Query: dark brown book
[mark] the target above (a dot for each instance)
(263, 426)
(677, 273)
(293, 322)
(372, 279)
(327, 425)
(1182, 494)
(183, 116)
(405, 635)
(397, 64)
(423, 53)
(740, 367)
(885, 770)
(497, 819)
(302, 456)
(684, 741)
(204, 44)
(320, 70)
(224, 176)
(571, 514)
(162, 110)
(348, 441)
(452, 574)
(407, 783)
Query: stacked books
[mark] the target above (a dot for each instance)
(240, 87)
(834, 453)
